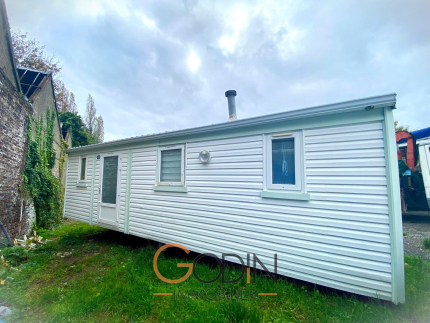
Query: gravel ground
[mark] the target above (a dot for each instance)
(417, 229)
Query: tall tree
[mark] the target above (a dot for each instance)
(90, 114)
(72, 104)
(30, 53)
(62, 96)
(99, 132)
(73, 122)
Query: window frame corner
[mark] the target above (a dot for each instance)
(158, 175)
(299, 166)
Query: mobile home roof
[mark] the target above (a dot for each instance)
(346, 106)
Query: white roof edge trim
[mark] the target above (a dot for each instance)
(423, 142)
(375, 101)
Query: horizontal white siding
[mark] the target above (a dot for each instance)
(122, 188)
(78, 199)
(340, 238)
(96, 191)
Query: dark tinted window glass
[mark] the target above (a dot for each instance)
(109, 184)
(83, 166)
(283, 163)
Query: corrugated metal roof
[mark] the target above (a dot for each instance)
(30, 80)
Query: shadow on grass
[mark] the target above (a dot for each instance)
(108, 276)
(133, 242)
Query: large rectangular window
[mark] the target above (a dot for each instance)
(283, 165)
(171, 165)
(82, 170)
(283, 161)
(109, 179)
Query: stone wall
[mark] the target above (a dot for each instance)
(14, 119)
(15, 110)
(6, 59)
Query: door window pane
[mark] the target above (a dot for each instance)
(83, 166)
(283, 163)
(109, 183)
(170, 170)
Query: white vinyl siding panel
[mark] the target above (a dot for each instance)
(78, 198)
(96, 190)
(340, 238)
(123, 188)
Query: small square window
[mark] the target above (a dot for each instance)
(171, 165)
(83, 167)
(283, 161)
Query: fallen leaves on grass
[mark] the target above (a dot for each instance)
(30, 242)
(4, 262)
(65, 254)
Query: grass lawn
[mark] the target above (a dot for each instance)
(89, 274)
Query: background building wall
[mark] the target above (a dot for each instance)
(43, 101)
(6, 59)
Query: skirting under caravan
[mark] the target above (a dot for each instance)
(319, 187)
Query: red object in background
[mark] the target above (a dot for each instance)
(410, 159)
(399, 155)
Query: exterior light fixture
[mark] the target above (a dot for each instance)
(204, 157)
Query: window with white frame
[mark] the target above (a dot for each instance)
(284, 161)
(82, 169)
(171, 165)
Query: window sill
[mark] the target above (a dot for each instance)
(180, 189)
(285, 195)
(81, 184)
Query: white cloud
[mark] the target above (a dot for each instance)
(155, 66)
(193, 61)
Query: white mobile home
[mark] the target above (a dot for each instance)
(424, 155)
(317, 186)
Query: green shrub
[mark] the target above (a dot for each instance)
(15, 256)
(426, 243)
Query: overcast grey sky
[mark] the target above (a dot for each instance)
(156, 66)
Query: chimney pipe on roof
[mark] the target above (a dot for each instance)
(231, 105)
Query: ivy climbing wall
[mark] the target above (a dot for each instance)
(14, 118)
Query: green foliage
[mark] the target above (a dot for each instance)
(44, 188)
(80, 133)
(63, 155)
(399, 127)
(16, 255)
(426, 243)
(89, 274)
(49, 140)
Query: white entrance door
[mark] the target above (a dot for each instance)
(109, 191)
